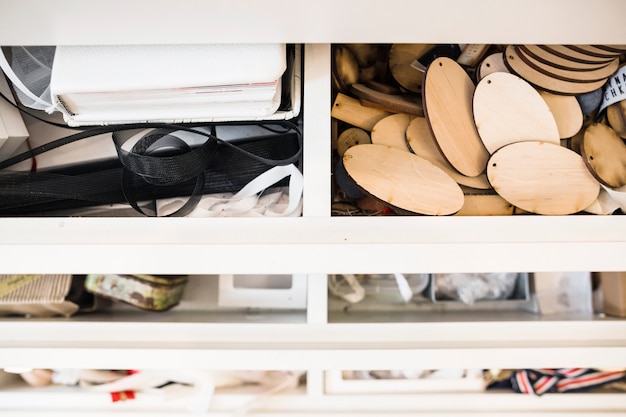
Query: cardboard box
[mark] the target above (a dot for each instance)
(613, 286)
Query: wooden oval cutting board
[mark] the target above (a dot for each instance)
(604, 153)
(403, 180)
(391, 131)
(542, 178)
(421, 142)
(447, 99)
(507, 109)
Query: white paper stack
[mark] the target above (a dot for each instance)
(170, 83)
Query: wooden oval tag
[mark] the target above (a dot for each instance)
(604, 153)
(564, 52)
(566, 112)
(403, 180)
(542, 178)
(350, 137)
(546, 82)
(507, 109)
(391, 130)
(594, 51)
(547, 57)
(447, 99)
(492, 63)
(421, 142)
(582, 76)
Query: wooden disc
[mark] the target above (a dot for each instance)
(447, 99)
(586, 76)
(546, 82)
(397, 103)
(612, 48)
(616, 116)
(403, 180)
(391, 130)
(547, 57)
(507, 110)
(604, 153)
(492, 63)
(566, 112)
(350, 137)
(542, 178)
(565, 52)
(401, 56)
(421, 142)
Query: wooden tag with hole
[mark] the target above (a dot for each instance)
(586, 76)
(391, 131)
(421, 142)
(350, 137)
(604, 153)
(447, 99)
(349, 110)
(507, 109)
(546, 82)
(403, 180)
(492, 63)
(549, 58)
(566, 112)
(542, 178)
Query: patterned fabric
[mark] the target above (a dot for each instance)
(541, 381)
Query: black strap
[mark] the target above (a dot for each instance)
(145, 167)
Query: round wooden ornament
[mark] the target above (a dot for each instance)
(391, 131)
(403, 180)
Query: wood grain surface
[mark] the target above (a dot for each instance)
(566, 112)
(492, 63)
(546, 82)
(401, 56)
(604, 153)
(349, 110)
(507, 110)
(548, 57)
(542, 178)
(583, 76)
(565, 52)
(447, 99)
(403, 180)
(397, 103)
(391, 131)
(421, 142)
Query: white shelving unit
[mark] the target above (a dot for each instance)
(315, 243)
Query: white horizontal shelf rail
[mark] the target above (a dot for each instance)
(322, 21)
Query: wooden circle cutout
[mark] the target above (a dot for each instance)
(492, 63)
(548, 58)
(401, 56)
(421, 142)
(546, 82)
(391, 130)
(447, 99)
(507, 110)
(586, 76)
(351, 137)
(403, 180)
(542, 178)
(566, 112)
(604, 153)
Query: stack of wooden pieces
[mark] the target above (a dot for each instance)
(512, 132)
